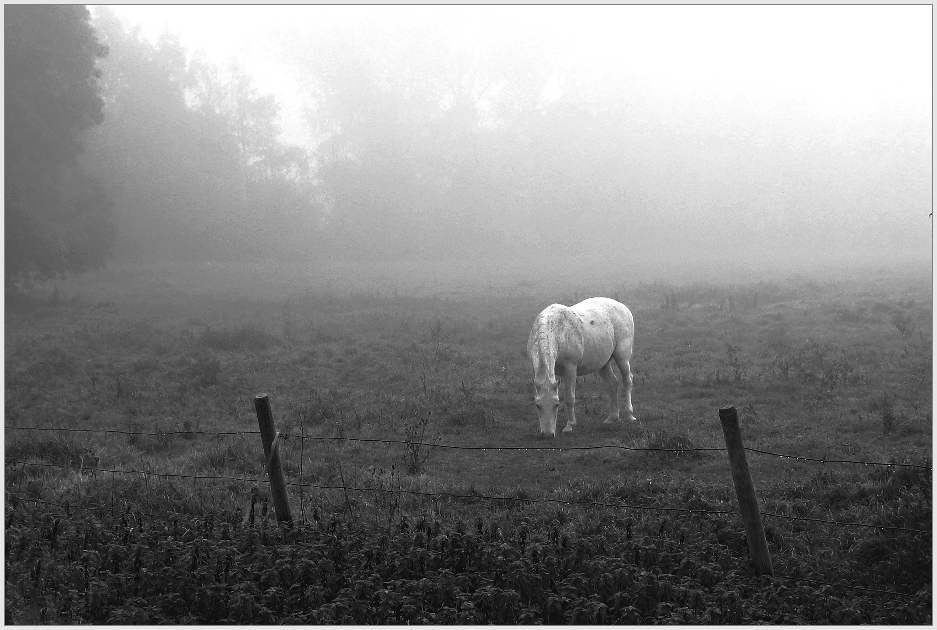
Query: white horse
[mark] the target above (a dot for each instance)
(576, 340)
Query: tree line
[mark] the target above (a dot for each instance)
(428, 144)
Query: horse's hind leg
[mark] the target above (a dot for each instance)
(624, 366)
(611, 382)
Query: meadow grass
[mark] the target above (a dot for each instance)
(817, 368)
(836, 368)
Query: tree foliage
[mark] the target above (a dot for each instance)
(57, 217)
(192, 154)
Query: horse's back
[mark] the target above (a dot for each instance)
(603, 325)
(606, 311)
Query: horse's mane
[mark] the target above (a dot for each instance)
(543, 339)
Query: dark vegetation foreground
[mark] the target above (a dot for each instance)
(397, 532)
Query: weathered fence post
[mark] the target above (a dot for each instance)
(748, 502)
(270, 438)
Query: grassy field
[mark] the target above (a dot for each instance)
(834, 366)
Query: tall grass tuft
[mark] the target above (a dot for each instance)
(417, 449)
(204, 369)
(884, 406)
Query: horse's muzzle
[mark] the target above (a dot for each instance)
(544, 434)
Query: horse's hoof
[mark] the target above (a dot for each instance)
(567, 429)
(611, 421)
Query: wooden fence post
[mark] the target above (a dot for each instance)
(748, 502)
(270, 438)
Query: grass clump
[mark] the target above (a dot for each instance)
(673, 444)
(203, 369)
(885, 407)
(60, 450)
(233, 457)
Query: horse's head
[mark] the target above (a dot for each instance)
(547, 401)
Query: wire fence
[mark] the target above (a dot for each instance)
(420, 444)
(455, 495)
(416, 443)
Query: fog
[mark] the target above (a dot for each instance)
(662, 138)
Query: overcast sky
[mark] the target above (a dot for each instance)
(840, 61)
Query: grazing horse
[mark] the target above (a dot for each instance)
(569, 341)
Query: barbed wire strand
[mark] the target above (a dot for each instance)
(69, 506)
(846, 524)
(472, 496)
(835, 461)
(125, 432)
(286, 436)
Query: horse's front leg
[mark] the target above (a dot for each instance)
(569, 376)
(624, 366)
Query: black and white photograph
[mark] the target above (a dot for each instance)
(393, 314)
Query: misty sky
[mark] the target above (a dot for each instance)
(839, 61)
(782, 128)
